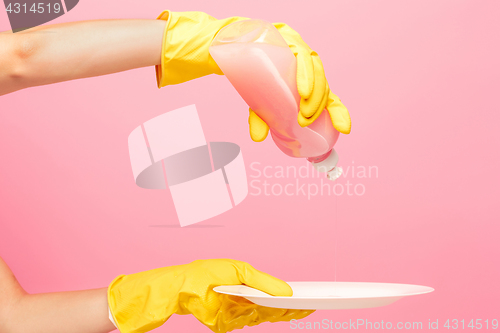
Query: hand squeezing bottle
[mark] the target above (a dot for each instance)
(259, 64)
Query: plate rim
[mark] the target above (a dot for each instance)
(429, 290)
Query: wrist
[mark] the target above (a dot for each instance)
(133, 299)
(111, 319)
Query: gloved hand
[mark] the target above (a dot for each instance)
(338, 114)
(185, 56)
(144, 301)
(312, 87)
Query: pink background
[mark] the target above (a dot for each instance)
(419, 78)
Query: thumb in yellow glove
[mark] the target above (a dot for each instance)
(144, 301)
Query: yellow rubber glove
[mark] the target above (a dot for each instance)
(185, 57)
(338, 114)
(144, 301)
(312, 87)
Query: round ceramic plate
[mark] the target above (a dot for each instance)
(329, 295)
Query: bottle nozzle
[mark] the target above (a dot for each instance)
(334, 174)
(329, 165)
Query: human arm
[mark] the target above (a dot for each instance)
(83, 311)
(185, 56)
(177, 43)
(143, 301)
(62, 52)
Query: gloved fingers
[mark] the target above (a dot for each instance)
(274, 315)
(294, 314)
(339, 114)
(254, 278)
(291, 36)
(303, 121)
(305, 72)
(236, 313)
(258, 127)
(302, 52)
(316, 102)
(279, 25)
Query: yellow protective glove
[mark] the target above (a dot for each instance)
(185, 57)
(144, 301)
(338, 114)
(312, 87)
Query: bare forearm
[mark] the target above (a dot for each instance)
(69, 51)
(83, 311)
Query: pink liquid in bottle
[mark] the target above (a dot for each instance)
(259, 64)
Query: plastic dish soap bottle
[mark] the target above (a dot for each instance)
(261, 67)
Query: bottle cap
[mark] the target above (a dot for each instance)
(329, 165)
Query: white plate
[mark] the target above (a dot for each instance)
(329, 295)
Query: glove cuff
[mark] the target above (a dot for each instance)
(111, 319)
(186, 40)
(184, 52)
(165, 15)
(143, 301)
